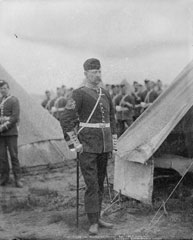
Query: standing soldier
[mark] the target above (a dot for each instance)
(47, 99)
(9, 118)
(93, 107)
(119, 110)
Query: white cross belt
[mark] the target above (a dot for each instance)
(94, 125)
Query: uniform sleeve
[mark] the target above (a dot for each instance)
(153, 97)
(70, 117)
(14, 118)
(112, 115)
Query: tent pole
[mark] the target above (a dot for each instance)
(108, 186)
(77, 190)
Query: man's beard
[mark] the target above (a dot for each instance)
(98, 79)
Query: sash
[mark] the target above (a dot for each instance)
(94, 108)
(5, 100)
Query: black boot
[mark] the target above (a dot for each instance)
(4, 179)
(93, 219)
(18, 183)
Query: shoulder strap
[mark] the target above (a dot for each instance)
(93, 110)
(5, 100)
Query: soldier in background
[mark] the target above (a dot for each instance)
(113, 91)
(128, 104)
(47, 99)
(151, 95)
(159, 88)
(9, 118)
(146, 90)
(137, 97)
(92, 106)
(119, 110)
(135, 86)
(60, 103)
(50, 105)
(108, 88)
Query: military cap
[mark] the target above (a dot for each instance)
(2, 82)
(91, 63)
(146, 80)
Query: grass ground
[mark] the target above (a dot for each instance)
(46, 210)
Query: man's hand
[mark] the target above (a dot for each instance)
(79, 148)
(118, 108)
(53, 110)
(143, 104)
(114, 142)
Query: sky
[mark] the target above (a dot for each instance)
(134, 40)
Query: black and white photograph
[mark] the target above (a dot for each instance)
(96, 119)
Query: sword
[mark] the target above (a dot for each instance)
(77, 190)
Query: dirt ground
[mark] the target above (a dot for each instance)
(46, 209)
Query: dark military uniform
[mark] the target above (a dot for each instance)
(45, 103)
(59, 104)
(51, 103)
(124, 116)
(137, 109)
(9, 117)
(120, 123)
(96, 138)
(128, 113)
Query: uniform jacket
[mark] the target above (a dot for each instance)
(152, 96)
(9, 115)
(117, 99)
(59, 104)
(129, 113)
(94, 140)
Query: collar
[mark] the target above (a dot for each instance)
(88, 85)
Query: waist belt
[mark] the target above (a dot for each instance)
(94, 125)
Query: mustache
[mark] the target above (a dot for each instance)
(99, 79)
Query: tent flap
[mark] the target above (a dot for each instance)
(148, 132)
(134, 180)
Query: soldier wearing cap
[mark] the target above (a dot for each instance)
(9, 118)
(92, 107)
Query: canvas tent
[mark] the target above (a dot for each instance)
(41, 140)
(134, 164)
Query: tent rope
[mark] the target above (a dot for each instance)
(153, 222)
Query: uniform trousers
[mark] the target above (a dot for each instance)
(93, 167)
(9, 143)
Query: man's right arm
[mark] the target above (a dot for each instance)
(69, 118)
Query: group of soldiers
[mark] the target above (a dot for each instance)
(129, 101)
(57, 104)
(91, 118)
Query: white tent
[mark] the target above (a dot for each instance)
(41, 140)
(134, 164)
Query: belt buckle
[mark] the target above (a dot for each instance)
(102, 125)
